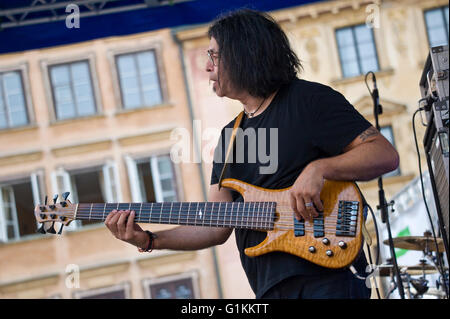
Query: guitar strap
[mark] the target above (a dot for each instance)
(237, 123)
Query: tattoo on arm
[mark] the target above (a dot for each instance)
(371, 131)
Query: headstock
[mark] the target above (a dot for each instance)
(62, 212)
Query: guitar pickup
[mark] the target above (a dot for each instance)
(299, 227)
(319, 226)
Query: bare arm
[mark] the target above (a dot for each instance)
(122, 226)
(366, 157)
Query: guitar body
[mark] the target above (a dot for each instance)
(332, 253)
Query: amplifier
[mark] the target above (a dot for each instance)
(434, 87)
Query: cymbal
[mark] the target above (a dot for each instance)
(417, 243)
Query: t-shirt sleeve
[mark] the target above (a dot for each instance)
(336, 123)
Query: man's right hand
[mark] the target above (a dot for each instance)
(122, 226)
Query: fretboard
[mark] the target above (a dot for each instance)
(252, 215)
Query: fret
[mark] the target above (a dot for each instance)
(203, 216)
(150, 212)
(90, 212)
(232, 208)
(189, 209)
(195, 218)
(211, 213)
(103, 214)
(210, 220)
(242, 220)
(263, 214)
(238, 210)
(179, 213)
(226, 207)
(160, 212)
(253, 216)
(258, 214)
(140, 212)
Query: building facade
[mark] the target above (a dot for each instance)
(100, 118)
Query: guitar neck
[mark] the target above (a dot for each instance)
(251, 215)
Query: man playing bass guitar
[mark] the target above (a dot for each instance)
(318, 136)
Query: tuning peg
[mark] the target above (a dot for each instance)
(52, 230)
(41, 229)
(45, 200)
(60, 230)
(65, 195)
(55, 198)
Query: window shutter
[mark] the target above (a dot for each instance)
(133, 177)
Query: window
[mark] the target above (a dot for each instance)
(183, 286)
(90, 185)
(17, 201)
(139, 79)
(121, 291)
(357, 51)
(73, 94)
(152, 180)
(13, 109)
(436, 21)
(389, 135)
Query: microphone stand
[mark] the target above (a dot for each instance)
(383, 206)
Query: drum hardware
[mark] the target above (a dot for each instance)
(427, 245)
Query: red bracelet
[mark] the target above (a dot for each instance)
(151, 242)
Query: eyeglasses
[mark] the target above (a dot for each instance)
(213, 56)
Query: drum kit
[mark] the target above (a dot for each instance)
(414, 278)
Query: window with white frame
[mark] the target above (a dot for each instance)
(18, 199)
(13, 108)
(72, 90)
(357, 50)
(436, 21)
(98, 184)
(139, 79)
(388, 133)
(152, 179)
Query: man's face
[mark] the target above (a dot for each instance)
(217, 74)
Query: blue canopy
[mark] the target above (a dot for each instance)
(54, 33)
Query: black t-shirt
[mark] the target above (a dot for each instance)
(304, 122)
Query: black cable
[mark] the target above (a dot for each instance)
(377, 261)
(441, 268)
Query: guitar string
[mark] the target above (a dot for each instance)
(249, 225)
(260, 218)
(253, 225)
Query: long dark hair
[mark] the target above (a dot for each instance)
(255, 51)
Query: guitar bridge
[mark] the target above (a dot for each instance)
(347, 218)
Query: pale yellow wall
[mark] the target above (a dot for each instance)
(35, 267)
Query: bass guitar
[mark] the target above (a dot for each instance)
(332, 240)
